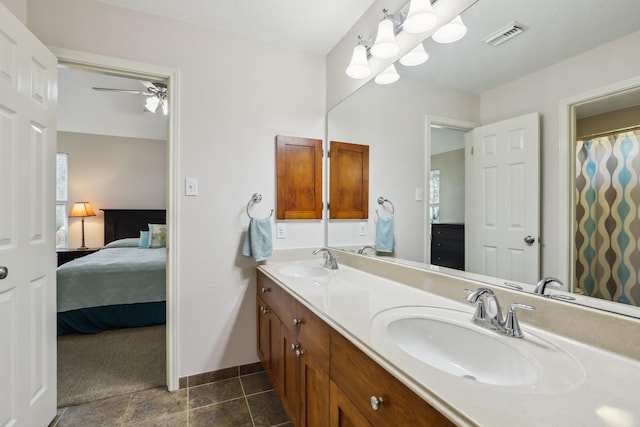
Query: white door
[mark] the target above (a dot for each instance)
(28, 95)
(502, 219)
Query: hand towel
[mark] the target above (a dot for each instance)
(384, 234)
(258, 242)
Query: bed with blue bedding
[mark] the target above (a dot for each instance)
(120, 286)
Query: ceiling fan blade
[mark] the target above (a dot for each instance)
(107, 89)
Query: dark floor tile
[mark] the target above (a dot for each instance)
(180, 419)
(266, 409)
(210, 377)
(105, 413)
(255, 383)
(232, 413)
(155, 403)
(183, 382)
(251, 368)
(220, 391)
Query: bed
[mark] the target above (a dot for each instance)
(119, 286)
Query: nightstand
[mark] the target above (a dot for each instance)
(66, 255)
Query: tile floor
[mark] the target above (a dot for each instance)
(247, 400)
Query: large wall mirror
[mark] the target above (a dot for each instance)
(421, 123)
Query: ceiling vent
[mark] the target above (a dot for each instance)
(505, 34)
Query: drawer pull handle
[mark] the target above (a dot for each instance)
(297, 350)
(265, 290)
(376, 402)
(297, 322)
(264, 310)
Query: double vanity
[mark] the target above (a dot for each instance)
(375, 343)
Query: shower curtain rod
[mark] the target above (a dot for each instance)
(607, 133)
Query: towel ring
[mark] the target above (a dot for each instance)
(256, 198)
(381, 202)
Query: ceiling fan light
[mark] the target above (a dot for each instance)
(152, 103)
(452, 32)
(358, 67)
(389, 75)
(415, 56)
(385, 45)
(420, 17)
(165, 107)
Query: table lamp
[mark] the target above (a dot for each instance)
(82, 209)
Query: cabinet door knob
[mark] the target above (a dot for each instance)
(297, 322)
(4, 272)
(265, 290)
(264, 310)
(297, 350)
(376, 402)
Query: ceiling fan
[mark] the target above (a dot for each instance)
(156, 95)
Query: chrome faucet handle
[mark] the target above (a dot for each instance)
(511, 325)
(330, 260)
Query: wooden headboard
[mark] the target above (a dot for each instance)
(123, 223)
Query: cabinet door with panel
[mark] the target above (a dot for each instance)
(343, 413)
(268, 327)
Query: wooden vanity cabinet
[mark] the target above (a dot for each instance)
(302, 352)
(321, 378)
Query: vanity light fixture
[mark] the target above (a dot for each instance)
(452, 32)
(385, 45)
(420, 17)
(415, 56)
(388, 76)
(359, 67)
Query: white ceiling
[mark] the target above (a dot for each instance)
(313, 26)
(557, 30)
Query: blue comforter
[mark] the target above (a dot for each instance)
(112, 276)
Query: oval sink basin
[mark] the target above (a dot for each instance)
(446, 340)
(303, 270)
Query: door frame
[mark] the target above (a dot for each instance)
(463, 125)
(566, 156)
(135, 69)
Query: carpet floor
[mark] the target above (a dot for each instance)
(92, 367)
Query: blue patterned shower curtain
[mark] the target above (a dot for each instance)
(607, 239)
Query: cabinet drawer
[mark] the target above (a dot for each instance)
(361, 378)
(448, 231)
(269, 292)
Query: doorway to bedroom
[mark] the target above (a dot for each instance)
(118, 158)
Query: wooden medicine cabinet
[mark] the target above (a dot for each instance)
(349, 181)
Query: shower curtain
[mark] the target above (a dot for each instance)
(607, 216)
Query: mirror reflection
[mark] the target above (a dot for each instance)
(469, 83)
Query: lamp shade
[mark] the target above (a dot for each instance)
(385, 45)
(389, 75)
(415, 56)
(420, 17)
(81, 209)
(358, 67)
(452, 32)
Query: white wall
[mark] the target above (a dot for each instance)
(18, 8)
(451, 165)
(236, 95)
(391, 120)
(112, 173)
(542, 92)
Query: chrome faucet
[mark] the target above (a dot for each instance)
(364, 248)
(488, 313)
(542, 285)
(330, 260)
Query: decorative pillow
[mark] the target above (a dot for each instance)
(122, 243)
(158, 235)
(144, 240)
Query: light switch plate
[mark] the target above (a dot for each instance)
(191, 186)
(281, 230)
(418, 194)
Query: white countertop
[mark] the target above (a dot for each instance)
(580, 385)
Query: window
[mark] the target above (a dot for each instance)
(61, 200)
(434, 195)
